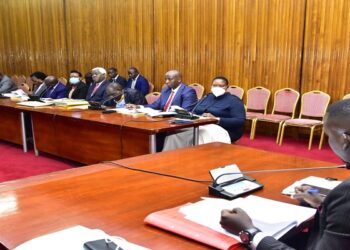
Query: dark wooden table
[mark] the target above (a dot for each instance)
(117, 200)
(87, 136)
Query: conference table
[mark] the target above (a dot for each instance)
(86, 136)
(117, 200)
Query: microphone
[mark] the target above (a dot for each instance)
(199, 102)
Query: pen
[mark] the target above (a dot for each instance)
(313, 190)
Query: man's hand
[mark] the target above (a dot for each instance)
(302, 194)
(235, 220)
(131, 106)
(208, 115)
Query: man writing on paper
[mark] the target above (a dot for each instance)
(221, 105)
(176, 93)
(331, 228)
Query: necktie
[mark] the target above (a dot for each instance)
(94, 90)
(170, 99)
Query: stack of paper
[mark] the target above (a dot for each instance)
(34, 104)
(272, 217)
(70, 102)
(200, 221)
(311, 181)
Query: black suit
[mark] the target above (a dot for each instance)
(121, 80)
(100, 94)
(79, 92)
(331, 227)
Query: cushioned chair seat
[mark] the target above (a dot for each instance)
(273, 118)
(303, 122)
(252, 115)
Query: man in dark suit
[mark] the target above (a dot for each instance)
(39, 86)
(55, 89)
(97, 90)
(175, 93)
(331, 229)
(115, 77)
(137, 81)
(76, 89)
(6, 84)
(118, 97)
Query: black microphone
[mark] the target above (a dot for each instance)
(199, 102)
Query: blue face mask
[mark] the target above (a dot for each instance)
(74, 80)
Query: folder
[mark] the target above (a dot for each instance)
(172, 220)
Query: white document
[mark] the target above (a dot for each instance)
(312, 181)
(272, 217)
(73, 238)
(154, 113)
(34, 104)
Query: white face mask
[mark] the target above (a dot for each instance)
(74, 80)
(217, 91)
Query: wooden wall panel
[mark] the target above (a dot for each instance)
(33, 36)
(262, 43)
(187, 37)
(326, 49)
(110, 33)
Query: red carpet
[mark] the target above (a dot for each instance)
(16, 164)
(292, 147)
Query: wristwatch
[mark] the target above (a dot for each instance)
(247, 235)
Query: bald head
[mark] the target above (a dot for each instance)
(337, 127)
(51, 81)
(115, 90)
(173, 78)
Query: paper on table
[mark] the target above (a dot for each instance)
(272, 217)
(72, 238)
(34, 104)
(313, 181)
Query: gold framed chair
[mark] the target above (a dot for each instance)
(235, 90)
(199, 88)
(152, 97)
(311, 115)
(284, 106)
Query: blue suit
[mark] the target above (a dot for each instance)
(56, 92)
(141, 84)
(229, 109)
(100, 95)
(185, 97)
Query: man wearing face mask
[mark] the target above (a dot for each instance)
(331, 229)
(76, 89)
(219, 104)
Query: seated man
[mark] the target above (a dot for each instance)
(55, 89)
(76, 89)
(118, 97)
(97, 90)
(226, 108)
(331, 229)
(137, 81)
(39, 86)
(176, 93)
(115, 77)
(6, 84)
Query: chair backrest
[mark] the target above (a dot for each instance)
(314, 104)
(14, 78)
(235, 90)
(63, 80)
(22, 79)
(198, 88)
(151, 87)
(346, 96)
(257, 98)
(152, 97)
(286, 100)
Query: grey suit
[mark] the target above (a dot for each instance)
(7, 85)
(39, 91)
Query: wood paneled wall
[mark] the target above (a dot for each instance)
(326, 61)
(303, 44)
